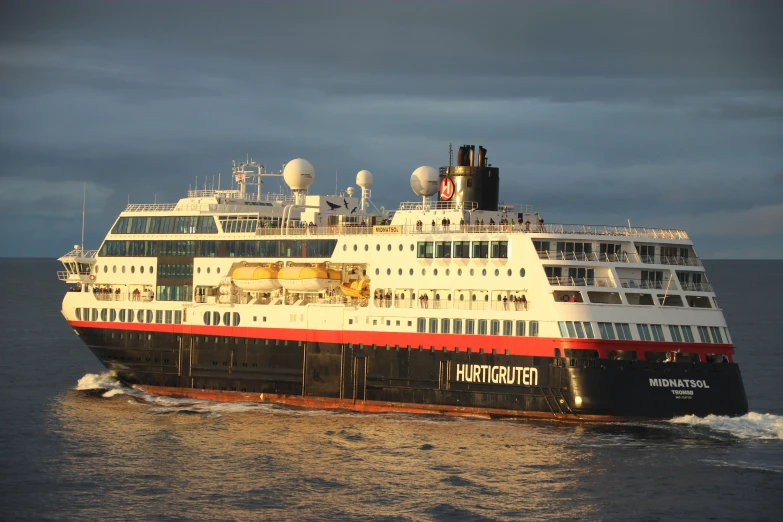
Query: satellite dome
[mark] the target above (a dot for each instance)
(299, 174)
(364, 179)
(425, 181)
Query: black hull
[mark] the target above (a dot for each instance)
(501, 384)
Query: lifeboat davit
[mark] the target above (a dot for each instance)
(262, 278)
(309, 278)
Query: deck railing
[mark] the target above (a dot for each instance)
(696, 287)
(600, 257)
(604, 282)
(456, 228)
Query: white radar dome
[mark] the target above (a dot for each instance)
(299, 174)
(425, 181)
(364, 179)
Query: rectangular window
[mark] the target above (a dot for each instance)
(533, 329)
(470, 327)
(562, 326)
(79, 314)
(480, 249)
(482, 327)
(644, 332)
(443, 249)
(457, 326)
(444, 326)
(500, 249)
(716, 337)
(168, 316)
(580, 331)
(607, 332)
(178, 317)
(687, 334)
(521, 328)
(508, 327)
(657, 332)
(570, 328)
(674, 331)
(433, 326)
(623, 331)
(541, 246)
(424, 249)
(704, 334)
(461, 249)
(159, 316)
(421, 325)
(495, 327)
(589, 330)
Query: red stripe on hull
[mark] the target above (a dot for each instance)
(321, 403)
(531, 346)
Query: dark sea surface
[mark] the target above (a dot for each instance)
(118, 454)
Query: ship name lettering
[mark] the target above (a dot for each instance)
(679, 383)
(484, 373)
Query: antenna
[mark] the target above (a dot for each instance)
(84, 206)
(335, 181)
(451, 155)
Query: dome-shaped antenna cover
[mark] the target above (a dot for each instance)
(299, 174)
(425, 181)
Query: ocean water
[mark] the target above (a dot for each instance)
(76, 445)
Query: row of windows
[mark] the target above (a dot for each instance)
(652, 332)
(262, 248)
(175, 293)
(166, 270)
(462, 249)
(229, 318)
(455, 326)
(238, 224)
(129, 316)
(165, 225)
(114, 269)
(447, 271)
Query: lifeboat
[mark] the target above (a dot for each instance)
(309, 278)
(358, 289)
(263, 278)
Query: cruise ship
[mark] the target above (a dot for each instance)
(452, 304)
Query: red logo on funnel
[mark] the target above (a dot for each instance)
(446, 189)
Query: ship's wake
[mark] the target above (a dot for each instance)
(108, 385)
(760, 426)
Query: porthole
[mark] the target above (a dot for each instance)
(345, 247)
(95, 269)
(152, 271)
(133, 269)
(198, 270)
(471, 271)
(114, 269)
(459, 272)
(366, 248)
(483, 271)
(123, 269)
(400, 247)
(521, 272)
(437, 297)
(509, 272)
(388, 247)
(435, 272)
(423, 271)
(218, 270)
(449, 297)
(377, 248)
(497, 272)
(474, 297)
(388, 271)
(209, 269)
(399, 272)
(461, 297)
(141, 270)
(105, 268)
(486, 297)
(411, 247)
(411, 271)
(377, 271)
(355, 248)
(448, 271)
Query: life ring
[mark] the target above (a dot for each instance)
(92, 277)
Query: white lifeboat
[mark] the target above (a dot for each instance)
(263, 278)
(309, 278)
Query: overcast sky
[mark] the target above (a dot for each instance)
(665, 113)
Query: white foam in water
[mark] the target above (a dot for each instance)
(94, 381)
(750, 426)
